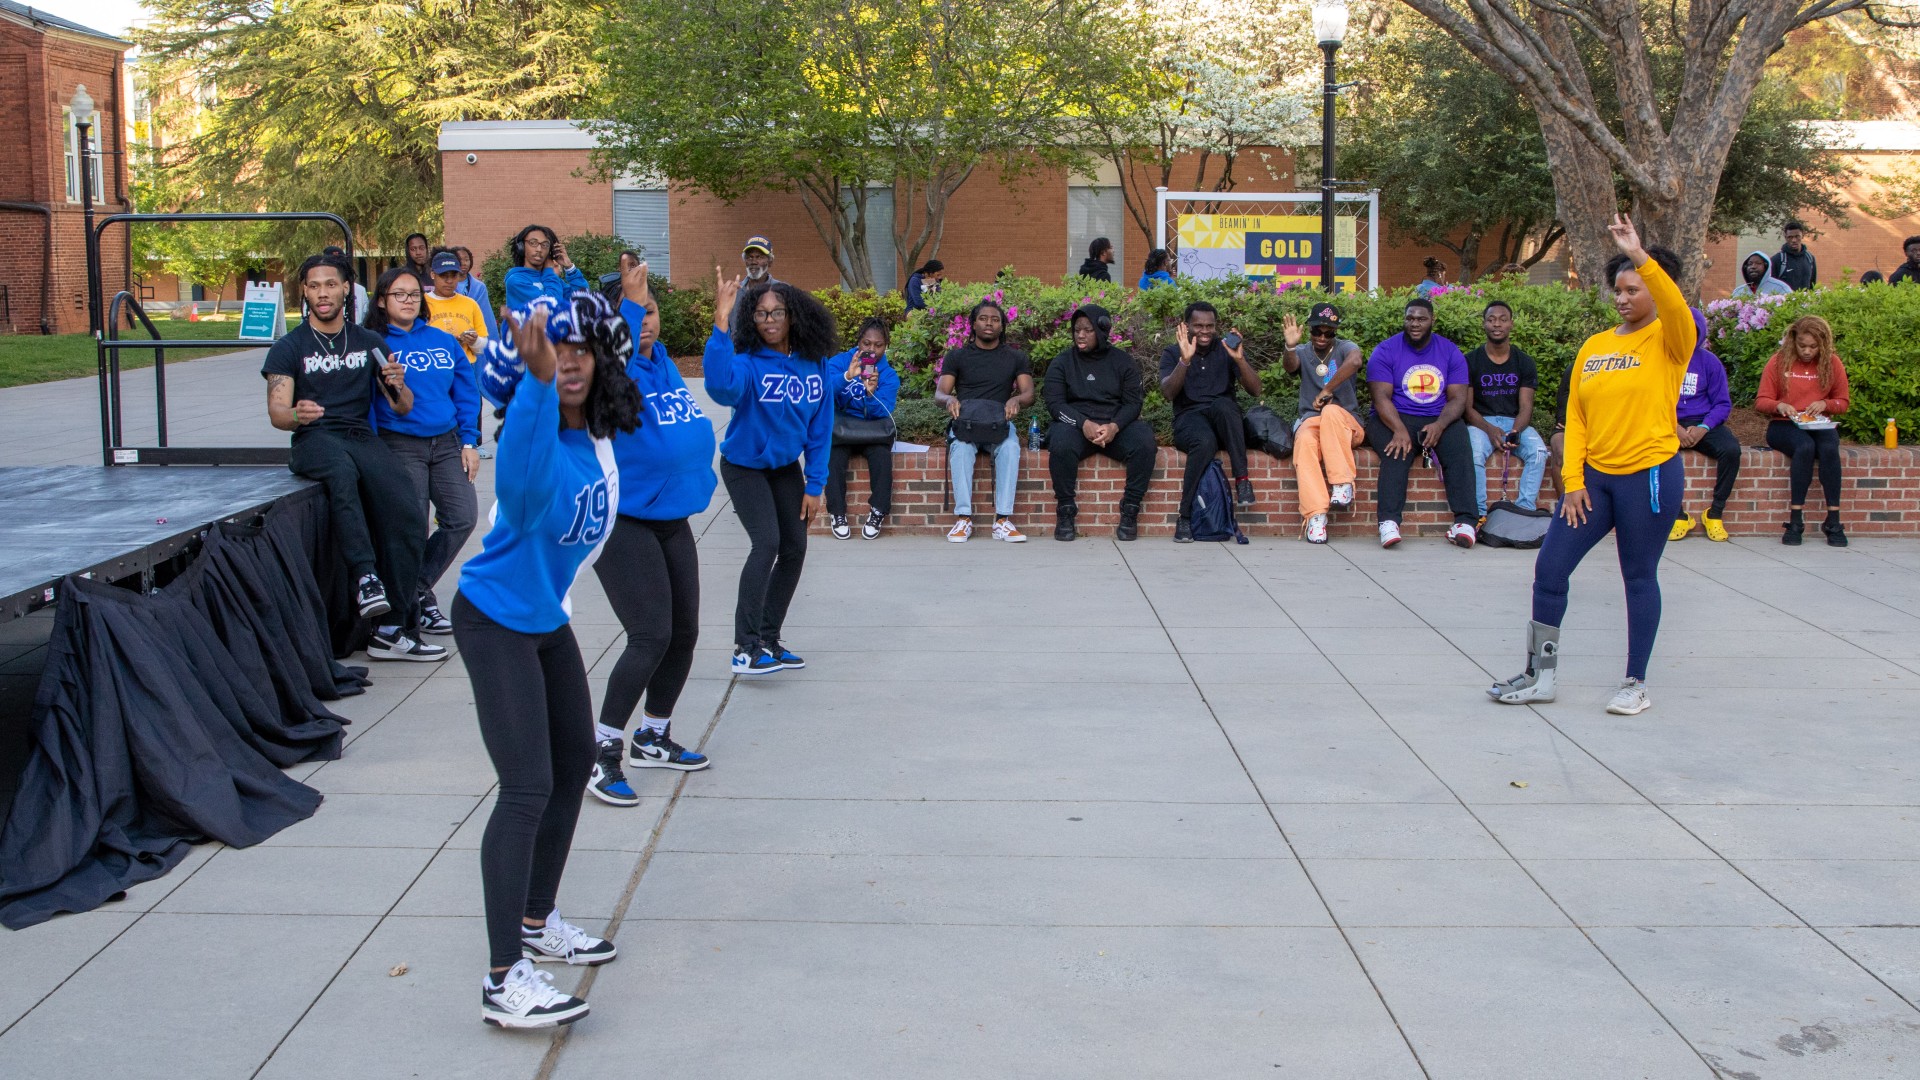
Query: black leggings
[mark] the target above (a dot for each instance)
(651, 574)
(1724, 448)
(1201, 433)
(879, 477)
(768, 502)
(536, 717)
(1802, 449)
(1455, 452)
(379, 520)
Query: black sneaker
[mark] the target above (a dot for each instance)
(657, 750)
(608, 783)
(1183, 531)
(398, 646)
(432, 619)
(1243, 491)
(1129, 527)
(525, 998)
(373, 597)
(785, 656)
(1063, 518)
(1836, 536)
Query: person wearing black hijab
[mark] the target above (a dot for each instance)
(1094, 393)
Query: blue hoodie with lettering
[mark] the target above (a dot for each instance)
(850, 396)
(781, 407)
(555, 490)
(666, 464)
(446, 393)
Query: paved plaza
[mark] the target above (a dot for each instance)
(1091, 810)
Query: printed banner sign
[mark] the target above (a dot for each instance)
(262, 312)
(1266, 247)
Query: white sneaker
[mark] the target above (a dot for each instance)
(962, 531)
(526, 998)
(841, 530)
(1342, 495)
(1005, 529)
(398, 646)
(561, 942)
(1631, 699)
(1461, 534)
(1389, 533)
(870, 528)
(1317, 529)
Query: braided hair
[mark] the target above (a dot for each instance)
(613, 404)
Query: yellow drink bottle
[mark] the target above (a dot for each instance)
(1893, 434)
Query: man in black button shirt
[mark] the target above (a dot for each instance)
(1198, 374)
(321, 378)
(1094, 393)
(1503, 380)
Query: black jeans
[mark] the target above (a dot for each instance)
(651, 574)
(1456, 467)
(439, 478)
(1067, 447)
(768, 502)
(378, 519)
(1724, 448)
(1803, 448)
(879, 477)
(536, 717)
(1204, 431)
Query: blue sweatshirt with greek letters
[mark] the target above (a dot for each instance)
(781, 406)
(446, 393)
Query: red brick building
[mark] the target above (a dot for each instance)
(43, 269)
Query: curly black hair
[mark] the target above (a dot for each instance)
(613, 401)
(875, 322)
(811, 330)
(377, 320)
(1668, 259)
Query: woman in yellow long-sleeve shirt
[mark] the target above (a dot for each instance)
(1622, 470)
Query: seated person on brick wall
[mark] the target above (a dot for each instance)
(1500, 414)
(1806, 384)
(867, 389)
(541, 267)
(987, 370)
(1328, 431)
(1094, 394)
(1704, 407)
(1198, 373)
(321, 378)
(1420, 393)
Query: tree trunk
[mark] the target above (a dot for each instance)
(1583, 197)
(844, 234)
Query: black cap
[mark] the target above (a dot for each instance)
(1323, 315)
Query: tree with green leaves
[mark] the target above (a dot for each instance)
(336, 105)
(834, 99)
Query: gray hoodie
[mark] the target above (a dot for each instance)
(1767, 285)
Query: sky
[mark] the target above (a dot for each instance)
(111, 16)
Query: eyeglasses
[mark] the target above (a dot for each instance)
(777, 314)
(403, 296)
(1321, 331)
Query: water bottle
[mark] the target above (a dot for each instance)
(1033, 433)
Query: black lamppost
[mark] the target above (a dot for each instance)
(1329, 29)
(82, 108)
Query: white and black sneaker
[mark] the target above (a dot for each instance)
(561, 942)
(841, 530)
(432, 619)
(398, 646)
(607, 782)
(754, 661)
(657, 750)
(870, 528)
(525, 998)
(373, 597)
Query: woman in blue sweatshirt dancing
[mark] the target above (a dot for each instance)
(771, 371)
(556, 488)
(650, 569)
(439, 441)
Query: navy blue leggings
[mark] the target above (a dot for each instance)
(1639, 508)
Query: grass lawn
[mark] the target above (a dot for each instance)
(32, 358)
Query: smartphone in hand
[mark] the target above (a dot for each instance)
(1231, 341)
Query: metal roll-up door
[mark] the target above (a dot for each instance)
(640, 218)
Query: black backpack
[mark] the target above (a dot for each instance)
(1213, 508)
(1511, 526)
(1268, 433)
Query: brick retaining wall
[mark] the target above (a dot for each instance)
(1882, 496)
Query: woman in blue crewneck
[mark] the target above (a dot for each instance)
(650, 569)
(771, 370)
(439, 440)
(867, 388)
(556, 489)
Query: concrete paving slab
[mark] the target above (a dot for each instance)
(1308, 762)
(450, 887)
(40, 961)
(1841, 892)
(1656, 892)
(1802, 1008)
(401, 821)
(1385, 831)
(1805, 832)
(602, 827)
(1366, 893)
(1599, 831)
(919, 1001)
(1890, 953)
(300, 881)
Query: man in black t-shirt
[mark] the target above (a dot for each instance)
(321, 378)
(985, 369)
(1499, 417)
(1198, 373)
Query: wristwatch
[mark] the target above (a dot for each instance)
(468, 446)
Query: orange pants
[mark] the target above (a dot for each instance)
(1323, 449)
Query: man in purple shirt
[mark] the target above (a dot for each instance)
(1705, 405)
(1420, 391)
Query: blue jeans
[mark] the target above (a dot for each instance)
(1006, 474)
(1533, 458)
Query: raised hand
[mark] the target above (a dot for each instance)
(725, 292)
(1290, 326)
(1627, 238)
(1187, 347)
(634, 285)
(530, 340)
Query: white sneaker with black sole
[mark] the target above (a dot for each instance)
(525, 998)
(561, 942)
(398, 646)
